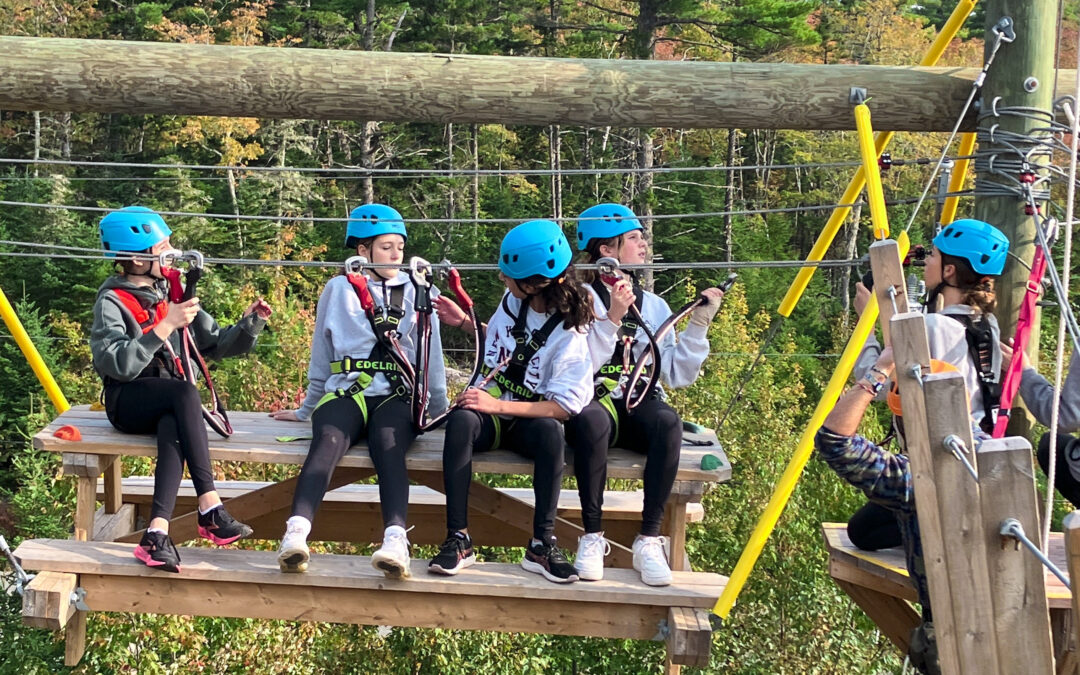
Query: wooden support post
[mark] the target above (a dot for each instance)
(963, 531)
(47, 600)
(75, 639)
(114, 489)
(1017, 578)
(85, 506)
(1019, 64)
(894, 617)
(113, 526)
(888, 275)
(689, 638)
(1072, 553)
(910, 347)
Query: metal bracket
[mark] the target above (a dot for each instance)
(663, 631)
(1004, 29)
(78, 598)
(857, 95)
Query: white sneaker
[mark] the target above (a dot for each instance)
(589, 561)
(650, 559)
(293, 555)
(392, 558)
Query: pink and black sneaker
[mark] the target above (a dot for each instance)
(221, 528)
(157, 550)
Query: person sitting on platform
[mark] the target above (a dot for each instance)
(1038, 395)
(885, 478)
(966, 257)
(144, 389)
(355, 390)
(655, 428)
(537, 355)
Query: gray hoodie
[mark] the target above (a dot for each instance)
(121, 350)
(1038, 395)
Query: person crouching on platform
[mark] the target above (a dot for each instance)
(654, 429)
(355, 390)
(886, 479)
(536, 344)
(144, 390)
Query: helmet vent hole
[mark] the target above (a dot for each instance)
(551, 249)
(551, 263)
(515, 258)
(134, 229)
(506, 258)
(146, 228)
(985, 258)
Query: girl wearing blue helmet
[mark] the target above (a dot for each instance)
(355, 389)
(145, 392)
(539, 375)
(966, 257)
(655, 429)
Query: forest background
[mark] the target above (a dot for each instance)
(791, 617)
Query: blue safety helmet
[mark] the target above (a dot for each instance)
(370, 221)
(132, 229)
(604, 221)
(536, 247)
(981, 244)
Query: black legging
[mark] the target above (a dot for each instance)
(654, 430)
(874, 527)
(335, 426)
(171, 409)
(540, 439)
(1068, 450)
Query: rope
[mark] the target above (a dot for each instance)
(366, 172)
(319, 219)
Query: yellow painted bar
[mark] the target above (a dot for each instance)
(874, 192)
(32, 355)
(956, 182)
(881, 141)
(794, 469)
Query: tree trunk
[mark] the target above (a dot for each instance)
(555, 163)
(644, 44)
(475, 184)
(729, 198)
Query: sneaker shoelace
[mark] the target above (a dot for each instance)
(396, 538)
(652, 548)
(594, 546)
(555, 554)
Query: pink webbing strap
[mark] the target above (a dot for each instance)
(1011, 384)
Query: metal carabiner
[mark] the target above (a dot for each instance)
(420, 271)
(169, 256)
(194, 259)
(608, 267)
(356, 264)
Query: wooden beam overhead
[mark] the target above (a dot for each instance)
(142, 78)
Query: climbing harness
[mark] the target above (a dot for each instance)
(511, 378)
(453, 278)
(658, 337)
(622, 360)
(190, 358)
(387, 357)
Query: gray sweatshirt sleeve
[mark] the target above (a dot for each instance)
(1038, 395)
(322, 352)
(216, 343)
(116, 354)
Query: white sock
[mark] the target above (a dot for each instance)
(203, 513)
(156, 529)
(299, 523)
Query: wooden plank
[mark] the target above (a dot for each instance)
(504, 580)
(888, 275)
(47, 600)
(113, 526)
(1071, 526)
(265, 500)
(1061, 629)
(894, 617)
(618, 505)
(845, 571)
(75, 639)
(689, 637)
(85, 505)
(1017, 578)
(675, 526)
(911, 348)
(255, 441)
(253, 81)
(389, 606)
(964, 532)
(114, 488)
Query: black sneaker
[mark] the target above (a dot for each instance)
(546, 558)
(221, 528)
(455, 554)
(157, 550)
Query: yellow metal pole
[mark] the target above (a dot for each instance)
(956, 181)
(881, 141)
(874, 192)
(787, 482)
(32, 355)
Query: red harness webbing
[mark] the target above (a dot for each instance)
(1011, 384)
(141, 314)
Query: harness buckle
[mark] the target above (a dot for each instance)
(346, 364)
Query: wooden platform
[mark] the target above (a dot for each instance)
(347, 589)
(878, 582)
(351, 513)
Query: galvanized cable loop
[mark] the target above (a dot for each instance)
(959, 450)
(1012, 529)
(21, 577)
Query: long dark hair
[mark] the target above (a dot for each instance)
(564, 294)
(978, 289)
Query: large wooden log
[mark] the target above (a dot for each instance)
(161, 78)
